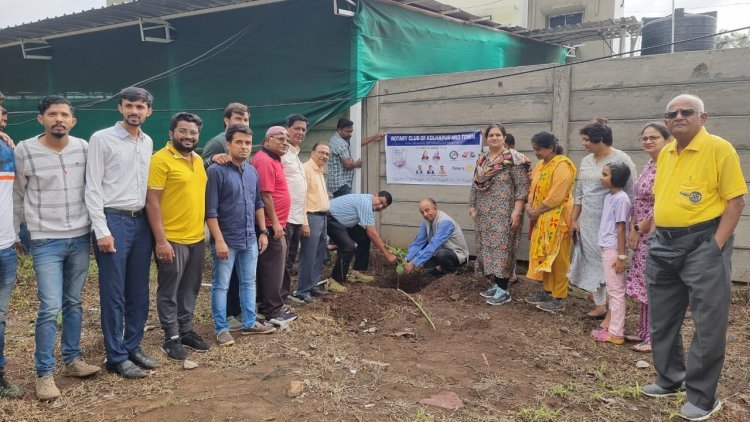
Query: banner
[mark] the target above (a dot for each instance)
(431, 159)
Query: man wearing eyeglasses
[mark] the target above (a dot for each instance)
(698, 191)
(176, 209)
(274, 192)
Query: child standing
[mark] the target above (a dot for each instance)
(613, 240)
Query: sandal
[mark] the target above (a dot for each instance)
(642, 347)
(633, 337)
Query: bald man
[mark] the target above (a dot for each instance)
(440, 245)
(699, 190)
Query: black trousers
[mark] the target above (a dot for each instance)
(293, 233)
(352, 242)
(445, 258)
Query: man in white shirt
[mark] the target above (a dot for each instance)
(296, 125)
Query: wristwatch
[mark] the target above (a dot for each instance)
(265, 231)
(622, 257)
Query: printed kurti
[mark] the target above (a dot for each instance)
(643, 208)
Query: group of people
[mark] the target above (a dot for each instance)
(115, 193)
(673, 224)
(664, 237)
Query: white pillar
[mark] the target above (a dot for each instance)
(355, 144)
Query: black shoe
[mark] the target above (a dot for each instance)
(192, 340)
(127, 369)
(174, 350)
(143, 360)
(318, 292)
(305, 298)
(283, 319)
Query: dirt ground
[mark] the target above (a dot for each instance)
(370, 355)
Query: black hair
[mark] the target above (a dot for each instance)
(343, 123)
(510, 140)
(185, 117)
(317, 144)
(134, 93)
(235, 108)
(292, 118)
(619, 174)
(659, 127)
(50, 100)
(387, 196)
(547, 140)
(235, 128)
(3, 111)
(598, 131)
(493, 125)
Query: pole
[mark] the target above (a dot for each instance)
(672, 44)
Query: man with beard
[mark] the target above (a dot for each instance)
(116, 182)
(296, 126)
(48, 196)
(216, 151)
(341, 165)
(275, 196)
(176, 209)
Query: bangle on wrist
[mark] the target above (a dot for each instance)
(622, 257)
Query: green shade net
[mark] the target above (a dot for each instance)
(295, 52)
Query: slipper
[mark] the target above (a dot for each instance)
(633, 337)
(642, 347)
(593, 317)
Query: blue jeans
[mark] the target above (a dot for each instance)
(8, 262)
(123, 285)
(247, 262)
(61, 266)
(344, 190)
(312, 254)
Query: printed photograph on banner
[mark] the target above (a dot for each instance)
(431, 158)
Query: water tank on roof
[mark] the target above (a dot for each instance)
(657, 32)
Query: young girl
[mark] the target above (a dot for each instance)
(613, 240)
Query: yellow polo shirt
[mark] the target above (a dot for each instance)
(695, 185)
(183, 203)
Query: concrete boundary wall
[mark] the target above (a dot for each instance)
(630, 92)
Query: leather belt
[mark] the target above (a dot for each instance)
(318, 212)
(673, 232)
(133, 214)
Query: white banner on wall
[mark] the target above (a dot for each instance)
(431, 159)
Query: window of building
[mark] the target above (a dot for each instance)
(567, 19)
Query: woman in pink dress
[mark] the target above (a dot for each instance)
(653, 138)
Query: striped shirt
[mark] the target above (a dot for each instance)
(338, 175)
(353, 209)
(48, 193)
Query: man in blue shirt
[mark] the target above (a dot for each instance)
(233, 206)
(440, 245)
(351, 226)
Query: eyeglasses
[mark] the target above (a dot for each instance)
(686, 112)
(280, 138)
(183, 131)
(652, 138)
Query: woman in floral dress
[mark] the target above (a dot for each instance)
(653, 138)
(498, 193)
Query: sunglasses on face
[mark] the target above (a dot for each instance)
(687, 112)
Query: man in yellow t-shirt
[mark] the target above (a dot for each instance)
(176, 209)
(698, 192)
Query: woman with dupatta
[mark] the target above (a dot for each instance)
(549, 207)
(498, 193)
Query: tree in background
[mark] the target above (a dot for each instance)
(733, 40)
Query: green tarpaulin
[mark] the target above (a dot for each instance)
(295, 52)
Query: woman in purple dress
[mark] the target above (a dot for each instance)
(653, 138)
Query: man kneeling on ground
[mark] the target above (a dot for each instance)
(440, 245)
(351, 226)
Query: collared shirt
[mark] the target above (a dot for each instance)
(295, 180)
(317, 195)
(273, 181)
(49, 189)
(232, 197)
(7, 175)
(116, 173)
(694, 186)
(214, 146)
(338, 176)
(353, 209)
(183, 202)
(423, 247)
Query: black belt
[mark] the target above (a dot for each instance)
(673, 232)
(318, 212)
(134, 214)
